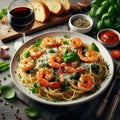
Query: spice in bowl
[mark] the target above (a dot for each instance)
(81, 22)
(108, 37)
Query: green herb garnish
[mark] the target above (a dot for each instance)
(70, 56)
(32, 71)
(27, 54)
(7, 92)
(65, 85)
(4, 66)
(95, 68)
(52, 51)
(75, 76)
(35, 88)
(45, 65)
(3, 12)
(94, 47)
(66, 36)
(56, 75)
(32, 112)
(38, 42)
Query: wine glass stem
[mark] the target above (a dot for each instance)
(23, 38)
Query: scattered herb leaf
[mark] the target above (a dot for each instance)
(3, 12)
(32, 112)
(4, 66)
(7, 92)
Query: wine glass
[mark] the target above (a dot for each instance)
(21, 18)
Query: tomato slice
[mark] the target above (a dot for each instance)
(115, 53)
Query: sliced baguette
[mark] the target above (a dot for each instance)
(54, 6)
(42, 12)
(66, 5)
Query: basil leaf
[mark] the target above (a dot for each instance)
(70, 57)
(65, 51)
(3, 63)
(4, 66)
(32, 112)
(38, 42)
(7, 92)
(94, 47)
(27, 54)
(3, 13)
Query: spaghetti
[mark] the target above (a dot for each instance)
(61, 68)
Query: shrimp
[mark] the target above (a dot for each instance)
(55, 61)
(70, 69)
(80, 69)
(76, 42)
(27, 64)
(61, 75)
(73, 67)
(54, 85)
(90, 56)
(44, 77)
(86, 83)
(35, 53)
(51, 42)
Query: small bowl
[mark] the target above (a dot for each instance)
(104, 37)
(82, 29)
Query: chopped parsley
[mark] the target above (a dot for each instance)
(65, 85)
(36, 87)
(27, 54)
(52, 51)
(66, 36)
(95, 68)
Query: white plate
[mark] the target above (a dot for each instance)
(85, 38)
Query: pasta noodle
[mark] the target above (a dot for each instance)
(61, 68)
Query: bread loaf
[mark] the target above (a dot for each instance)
(54, 6)
(42, 12)
(66, 5)
(43, 8)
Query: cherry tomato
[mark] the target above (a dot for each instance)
(115, 53)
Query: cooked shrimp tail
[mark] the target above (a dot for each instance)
(86, 83)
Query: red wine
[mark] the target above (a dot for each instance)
(21, 19)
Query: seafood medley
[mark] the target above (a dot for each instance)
(62, 68)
